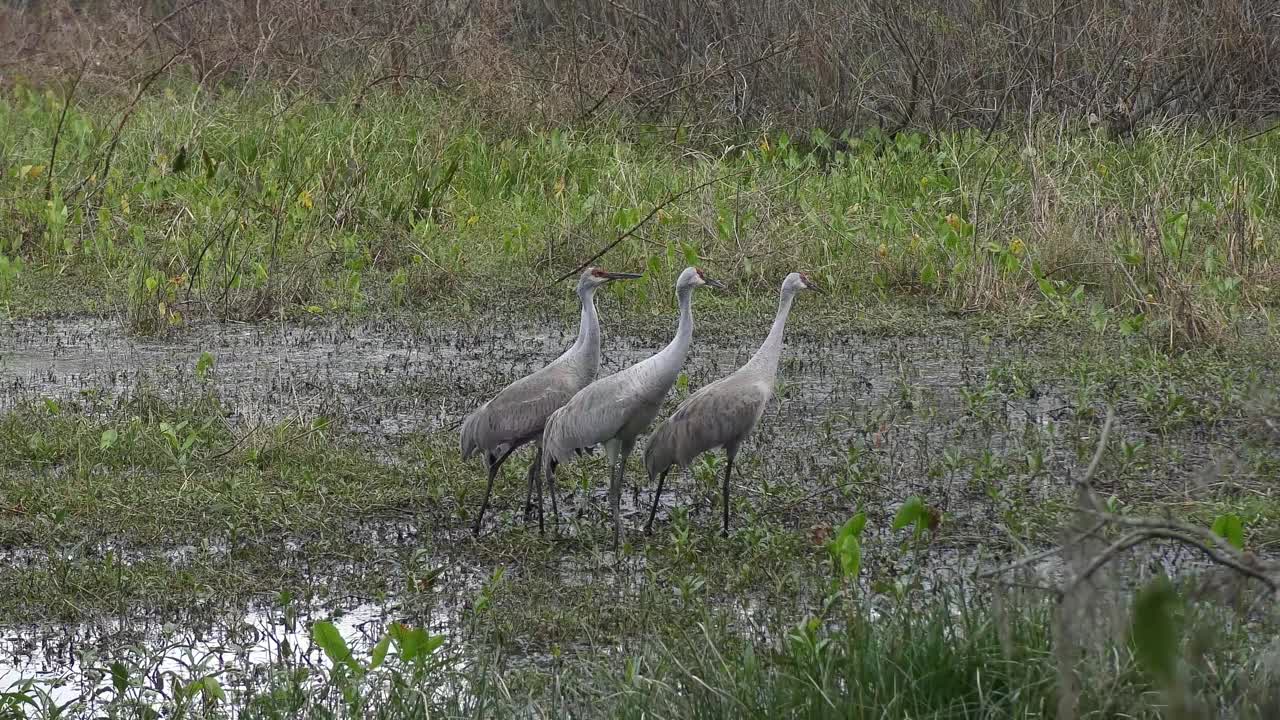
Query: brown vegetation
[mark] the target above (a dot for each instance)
(804, 63)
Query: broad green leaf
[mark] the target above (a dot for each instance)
(434, 642)
(1230, 527)
(912, 511)
(414, 644)
(380, 651)
(109, 437)
(928, 276)
(1154, 631)
(208, 686)
(119, 677)
(326, 635)
(854, 526)
(850, 554)
(847, 547)
(213, 688)
(690, 254)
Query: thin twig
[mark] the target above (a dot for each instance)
(665, 202)
(57, 133)
(1102, 446)
(1037, 557)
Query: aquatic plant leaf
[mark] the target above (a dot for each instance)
(847, 546)
(414, 644)
(912, 511)
(1230, 527)
(213, 688)
(1154, 630)
(326, 635)
(119, 677)
(207, 686)
(380, 651)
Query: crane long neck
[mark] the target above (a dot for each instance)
(588, 341)
(679, 345)
(765, 361)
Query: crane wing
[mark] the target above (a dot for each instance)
(520, 411)
(721, 414)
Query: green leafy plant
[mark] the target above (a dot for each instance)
(846, 547)
(914, 512)
(1230, 527)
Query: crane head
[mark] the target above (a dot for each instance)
(693, 277)
(594, 277)
(809, 284)
(797, 281)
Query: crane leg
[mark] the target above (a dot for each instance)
(728, 470)
(648, 528)
(615, 492)
(547, 474)
(534, 469)
(494, 465)
(555, 511)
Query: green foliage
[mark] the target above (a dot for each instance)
(846, 547)
(270, 206)
(1154, 630)
(10, 268)
(1230, 527)
(204, 365)
(326, 635)
(913, 511)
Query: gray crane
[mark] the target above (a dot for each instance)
(615, 410)
(516, 416)
(725, 412)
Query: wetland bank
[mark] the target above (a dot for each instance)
(1022, 462)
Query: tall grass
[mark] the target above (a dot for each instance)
(244, 205)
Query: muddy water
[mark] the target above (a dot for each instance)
(387, 380)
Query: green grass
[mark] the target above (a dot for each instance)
(250, 205)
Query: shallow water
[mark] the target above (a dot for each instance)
(71, 662)
(386, 381)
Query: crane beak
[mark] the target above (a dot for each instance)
(713, 283)
(621, 276)
(814, 287)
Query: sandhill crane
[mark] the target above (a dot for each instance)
(517, 415)
(615, 410)
(725, 412)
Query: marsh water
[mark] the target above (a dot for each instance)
(388, 381)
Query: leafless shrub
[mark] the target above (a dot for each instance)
(1095, 541)
(804, 63)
